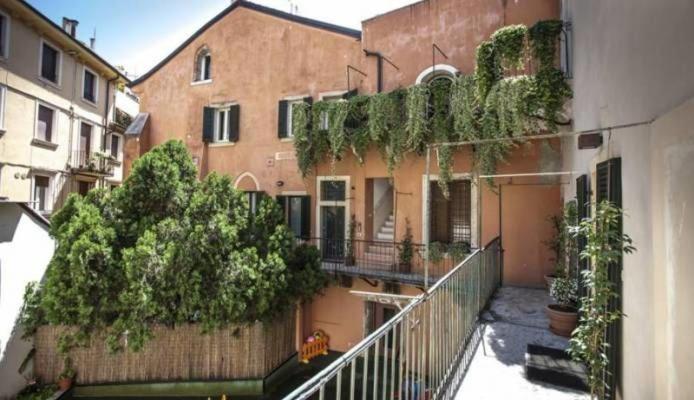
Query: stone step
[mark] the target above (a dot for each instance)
(554, 366)
(386, 229)
(384, 236)
(379, 249)
(389, 224)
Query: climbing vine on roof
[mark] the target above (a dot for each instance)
(516, 89)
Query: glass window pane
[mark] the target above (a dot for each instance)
(40, 192)
(450, 218)
(295, 215)
(89, 86)
(206, 69)
(44, 128)
(221, 125)
(49, 63)
(114, 145)
(333, 190)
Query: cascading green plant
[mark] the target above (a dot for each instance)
(465, 107)
(302, 137)
(337, 113)
(417, 119)
(509, 45)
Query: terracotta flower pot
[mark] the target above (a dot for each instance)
(562, 320)
(549, 278)
(64, 383)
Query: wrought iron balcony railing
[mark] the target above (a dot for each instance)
(423, 351)
(387, 260)
(91, 163)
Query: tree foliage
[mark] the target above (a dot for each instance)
(167, 249)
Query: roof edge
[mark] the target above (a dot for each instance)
(255, 7)
(108, 65)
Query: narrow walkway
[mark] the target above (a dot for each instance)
(516, 318)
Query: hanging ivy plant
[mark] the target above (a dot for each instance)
(442, 129)
(488, 69)
(417, 121)
(356, 125)
(396, 146)
(302, 140)
(465, 108)
(336, 115)
(544, 36)
(381, 111)
(509, 45)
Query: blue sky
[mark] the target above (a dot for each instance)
(139, 33)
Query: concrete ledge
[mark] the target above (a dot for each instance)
(250, 387)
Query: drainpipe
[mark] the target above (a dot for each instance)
(106, 128)
(379, 68)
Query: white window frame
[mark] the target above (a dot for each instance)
(320, 202)
(119, 155)
(435, 71)
(291, 101)
(335, 95)
(54, 123)
(474, 227)
(96, 85)
(49, 192)
(8, 28)
(3, 100)
(43, 42)
(200, 61)
(225, 108)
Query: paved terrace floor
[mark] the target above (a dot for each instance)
(497, 371)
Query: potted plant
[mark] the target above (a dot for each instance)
(406, 250)
(65, 379)
(563, 314)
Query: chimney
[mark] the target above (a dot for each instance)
(70, 26)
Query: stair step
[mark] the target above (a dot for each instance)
(554, 366)
(386, 229)
(389, 224)
(384, 236)
(376, 249)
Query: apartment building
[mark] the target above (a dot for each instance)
(59, 131)
(237, 79)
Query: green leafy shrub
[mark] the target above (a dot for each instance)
(171, 251)
(564, 291)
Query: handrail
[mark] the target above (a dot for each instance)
(426, 371)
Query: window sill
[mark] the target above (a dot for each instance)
(91, 103)
(49, 82)
(222, 144)
(287, 140)
(205, 82)
(44, 144)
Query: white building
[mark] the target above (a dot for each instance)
(25, 250)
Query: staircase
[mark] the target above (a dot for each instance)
(381, 252)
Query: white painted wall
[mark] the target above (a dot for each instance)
(633, 61)
(25, 250)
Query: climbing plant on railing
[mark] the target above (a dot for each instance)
(496, 102)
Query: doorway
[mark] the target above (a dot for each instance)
(333, 214)
(379, 209)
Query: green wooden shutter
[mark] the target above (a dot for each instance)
(306, 217)
(609, 187)
(234, 117)
(208, 124)
(282, 128)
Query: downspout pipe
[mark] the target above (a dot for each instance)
(108, 97)
(379, 68)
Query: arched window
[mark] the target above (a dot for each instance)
(203, 64)
(438, 71)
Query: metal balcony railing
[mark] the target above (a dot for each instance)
(383, 260)
(423, 351)
(91, 163)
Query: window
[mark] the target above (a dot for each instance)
(203, 66)
(297, 214)
(115, 146)
(451, 218)
(221, 124)
(290, 111)
(83, 155)
(284, 117)
(3, 94)
(254, 199)
(4, 35)
(41, 193)
(45, 118)
(90, 85)
(437, 71)
(50, 63)
(333, 190)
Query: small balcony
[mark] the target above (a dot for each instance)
(91, 163)
(121, 120)
(388, 261)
